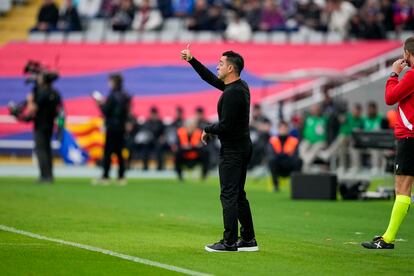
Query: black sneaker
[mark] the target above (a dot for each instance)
(220, 246)
(378, 243)
(249, 246)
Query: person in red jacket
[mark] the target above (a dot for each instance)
(400, 91)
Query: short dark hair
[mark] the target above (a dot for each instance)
(409, 45)
(358, 106)
(154, 110)
(283, 123)
(372, 104)
(199, 109)
(117, 79)
(236, 60)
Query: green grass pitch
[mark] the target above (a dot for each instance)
(170, 222)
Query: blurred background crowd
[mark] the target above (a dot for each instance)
(235, 20)
(323, 133)
(315, 137)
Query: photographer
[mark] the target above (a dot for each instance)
(42, 106)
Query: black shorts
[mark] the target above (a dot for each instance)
(404, 159)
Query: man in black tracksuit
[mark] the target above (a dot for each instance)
(236, 148)
(116, 111)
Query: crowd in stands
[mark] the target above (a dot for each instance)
(237, 19)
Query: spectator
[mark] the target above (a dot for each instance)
(238, 29)
(200, 118)
(403, 15)
(122, 18)
(387, 15)
(314, 137)
(288, 7)
(182, 8)
(179, 118)
(200, 18)
(358, 3)
(296, 126)
(190, 150)
(372, 122)
(150, 3)
(338, 14)
(165, 6)
(89, 8)
(331, 111)
(131, 130)
(272, 18)
(109, 7)
(391, 119)
(253, 11)
(368, 23)
(69, 20)
(147, 18)
(153, 139)
(216, 20)
(339, 145)
(283, 154)
(356, 123)
(47, 17)
(260, 133)
(308, 14)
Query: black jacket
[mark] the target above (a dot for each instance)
(116, 110)
(233, 108)
(48, 102)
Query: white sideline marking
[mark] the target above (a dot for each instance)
(104, 251)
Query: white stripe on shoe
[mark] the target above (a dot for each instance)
(248, 249)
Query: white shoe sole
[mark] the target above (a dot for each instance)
(248, 249)
(218, 251)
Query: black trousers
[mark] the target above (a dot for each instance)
(114, 143)
(158, 149)
(233, 162)
(43, 150)
(203, 159)
(283, 165)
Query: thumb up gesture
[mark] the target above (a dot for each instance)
(186, 54)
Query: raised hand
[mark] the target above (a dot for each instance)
(186, 54)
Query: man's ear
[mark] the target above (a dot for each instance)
(231, 68)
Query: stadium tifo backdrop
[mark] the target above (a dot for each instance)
(155, 76)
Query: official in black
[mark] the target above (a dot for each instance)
(236, 148)
(44, 105)
(115, 110)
